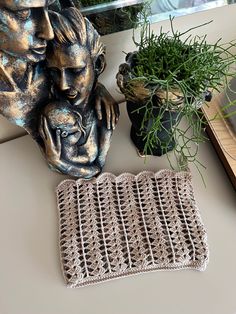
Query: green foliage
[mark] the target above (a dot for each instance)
(175, 62)
(191, 65)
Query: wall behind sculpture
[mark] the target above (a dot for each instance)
(9, 131)
(223, 26)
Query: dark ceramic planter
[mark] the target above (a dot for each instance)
(164, 135)
(115, 20)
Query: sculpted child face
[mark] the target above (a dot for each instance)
(62, 119)
(25, 28)
(72, 71)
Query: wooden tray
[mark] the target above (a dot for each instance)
(222, 136)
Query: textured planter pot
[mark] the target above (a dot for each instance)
(115, 20)
(163, 136)
(137, 91)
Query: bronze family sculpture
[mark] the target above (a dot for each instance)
(58, 100)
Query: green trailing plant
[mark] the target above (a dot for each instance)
(176, 71)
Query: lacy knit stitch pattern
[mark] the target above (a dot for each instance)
(113, 227)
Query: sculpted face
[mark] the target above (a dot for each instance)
(69, 129)
(25, 28)
(72, 71)
(62, 119)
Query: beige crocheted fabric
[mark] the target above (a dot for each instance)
(117, 226)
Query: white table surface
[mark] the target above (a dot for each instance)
(31, 281)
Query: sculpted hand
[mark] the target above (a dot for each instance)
(52, 147)
(105, 100)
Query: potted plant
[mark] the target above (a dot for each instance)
(115, 20)
(167, 79)
(107, 16)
